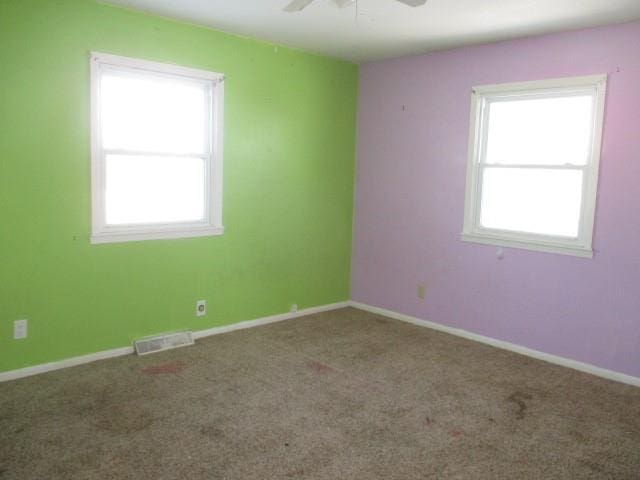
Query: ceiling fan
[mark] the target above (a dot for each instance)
(299, 5)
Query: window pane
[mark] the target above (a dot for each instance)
(538, 201)
(550, 131)
(141, 189)
(147, 113)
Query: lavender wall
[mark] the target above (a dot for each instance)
(410, 200)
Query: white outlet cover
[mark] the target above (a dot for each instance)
(294, 307)
(201, 308)
(20, 329)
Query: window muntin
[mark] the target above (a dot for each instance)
(156, 150)
(533, 164)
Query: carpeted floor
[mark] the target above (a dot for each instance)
(338, 395)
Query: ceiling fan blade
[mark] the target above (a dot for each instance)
(297, 5)
(413, 3)
(344, 3)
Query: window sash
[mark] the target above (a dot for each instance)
(483, 164)
(486, 101)
(206, 155)
(209, 121)
(156, 224)
(540, 236)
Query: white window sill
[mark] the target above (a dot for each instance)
(136, 236)
(575, 251)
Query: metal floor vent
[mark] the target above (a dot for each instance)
(158, 343)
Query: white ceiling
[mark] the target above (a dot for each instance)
(386, 28)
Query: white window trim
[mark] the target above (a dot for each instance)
(212, 223)
(472, 231)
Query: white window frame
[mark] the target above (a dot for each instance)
(481, 96)
(212, 222)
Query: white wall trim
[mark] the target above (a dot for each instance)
(60, 364)
(547, 357)
(529, 352)
(118, 352)
(267, 320)
(157, 235)
(489, 239)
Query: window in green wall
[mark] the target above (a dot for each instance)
(156, 150)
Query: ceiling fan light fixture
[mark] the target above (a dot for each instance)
(297, 5)
(413, 3)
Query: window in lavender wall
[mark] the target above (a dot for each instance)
(533, 164)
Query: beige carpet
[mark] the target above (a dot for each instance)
(339, 395)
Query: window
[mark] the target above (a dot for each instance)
(532, 172)
(156, 150)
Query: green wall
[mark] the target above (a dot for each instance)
(288, 184)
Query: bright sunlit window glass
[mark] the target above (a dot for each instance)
(156, 161)
(533, 164)
(143, 189)
(143, 112)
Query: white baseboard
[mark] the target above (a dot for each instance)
(118, 352)
(266, 320)
(66, 363)
(547, 357)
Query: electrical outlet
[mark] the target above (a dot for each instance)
(201, 308)
(293, 308)
(422, 291)
(19, 329)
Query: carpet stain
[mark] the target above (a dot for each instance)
(320, 368)
(211, 431)
(593, 466)
(578, 436)
(124, 419)
(173, 368)
(455, 433)
(428, 422)
(519, 399)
